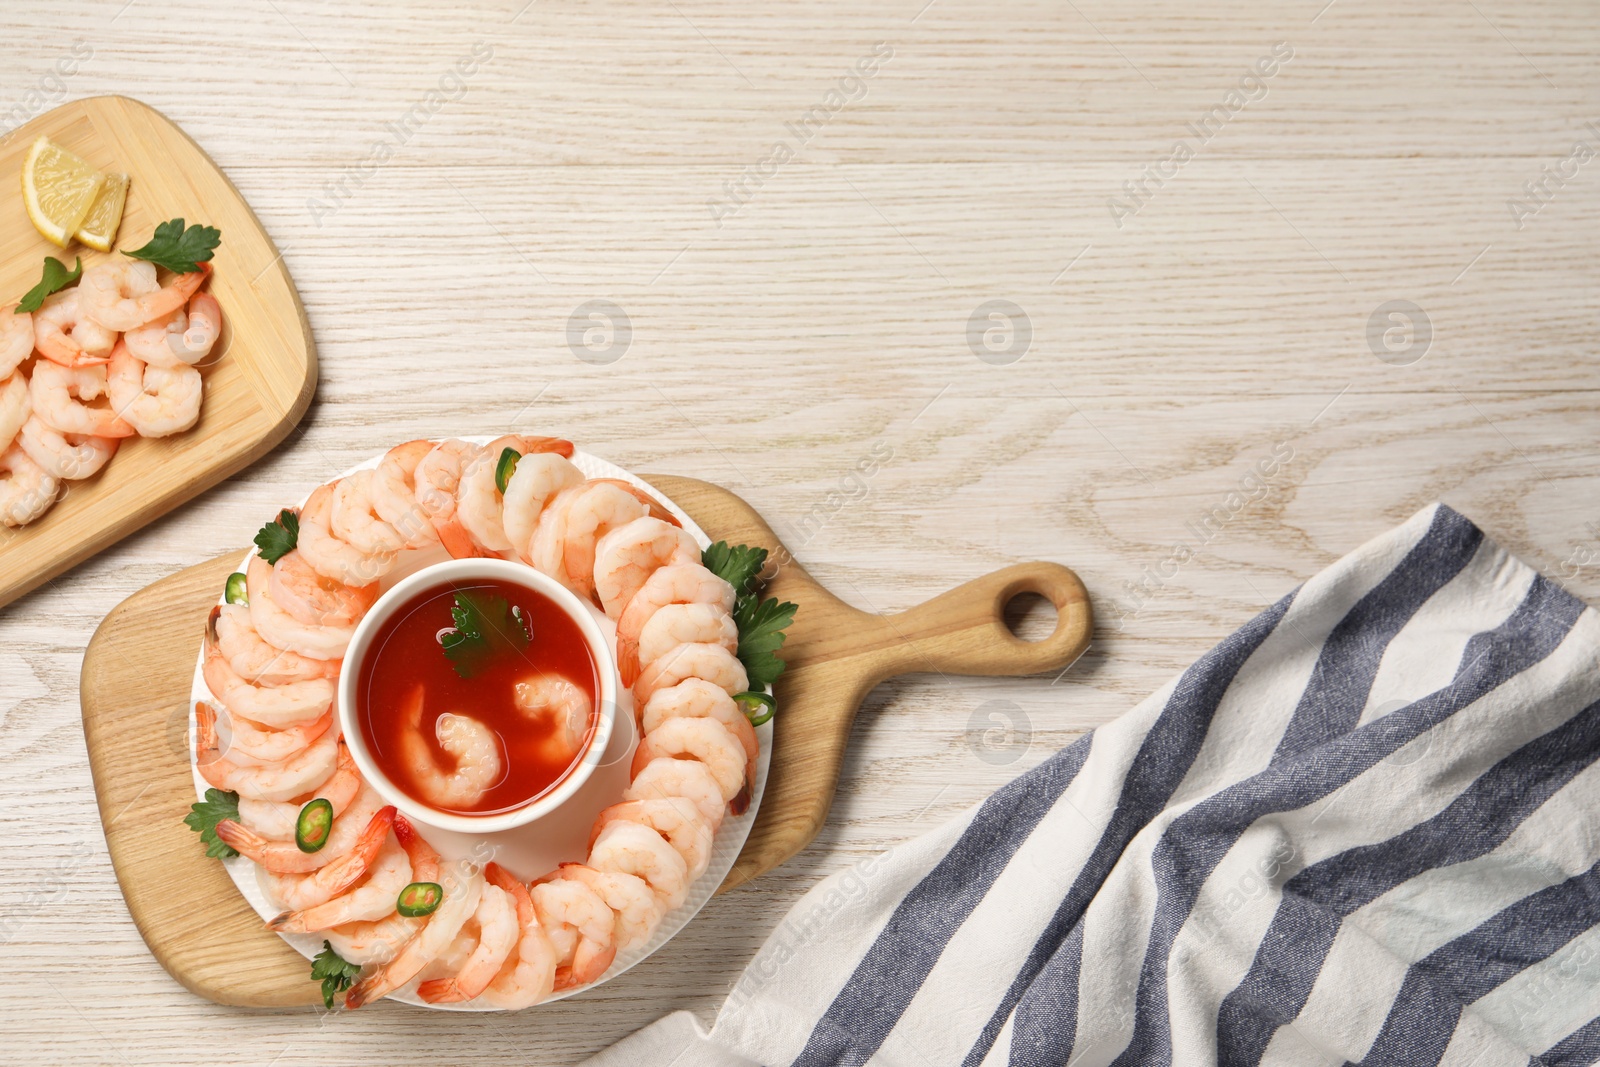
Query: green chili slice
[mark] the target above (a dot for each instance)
(757, 707)
(234, 592)
(311, 829)
(505, 468)
(419, 899)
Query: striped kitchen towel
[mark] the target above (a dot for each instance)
(1361, 829)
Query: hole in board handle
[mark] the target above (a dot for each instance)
(1030, 616)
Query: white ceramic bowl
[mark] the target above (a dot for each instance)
(464, 571)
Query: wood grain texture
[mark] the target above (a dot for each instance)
(258, 380)
(829, 317)
(138, 668)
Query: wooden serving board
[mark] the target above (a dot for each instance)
(135, 694)
(258, 381)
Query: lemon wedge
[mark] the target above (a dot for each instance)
(99, 230)
(59, 190)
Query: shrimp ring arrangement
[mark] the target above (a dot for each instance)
(111, 358)
(498, 921)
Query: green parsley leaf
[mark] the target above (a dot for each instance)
(56, 278)
(178, 249)
(484, 625)
(334, 972)
(203, 818)
(277, 538)
(737, 565)
(761, 624)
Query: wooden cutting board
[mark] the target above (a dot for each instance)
(135, 694)
(258, 381)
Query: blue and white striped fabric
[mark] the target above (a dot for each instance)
(1361, 829)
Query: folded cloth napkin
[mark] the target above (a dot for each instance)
(1363, 828)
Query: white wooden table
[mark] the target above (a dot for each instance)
(790, 309)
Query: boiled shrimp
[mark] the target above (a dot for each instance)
(563, 707)
(705, 740)
(666, 777)
(15, 408)
(200, 336)
(180, 338)
(373, 940)
(635, 905)
(329, 555)
(713, 663)
(285, 857)
(497, 932)
(394, 497)
(462, 886)
(265, 745)
(371, 898)
(537, 479)
(529, 974)
(64, 335)
(26, 489)
(435, 480)
(16, 338)
(581, 928)
(279, 629)
(279, 706)
(316, 599)
(60, 397)
(148, 343)
(378, 940)
(653, 507)
(683, 624)
(547, 547)
(479, 504)
(155, 401)
(299, 892)
(124, 294)
(599, 509)
(695, 698)
(65, 456)
(230, 630)
(627, 556)
(272, 781)
(275, 820)
(474, 747)
(354, 520)
(629, 848)
(680, 583)
(684, 826)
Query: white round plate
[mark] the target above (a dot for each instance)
(561, 836)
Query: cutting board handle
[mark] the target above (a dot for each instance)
(964, 631)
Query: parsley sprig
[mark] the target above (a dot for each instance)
(178, 248)
(56, 277)
(277, 538)
(203, 818)
(334, 972)
(485, 625)
(761, 622)
(737, 565)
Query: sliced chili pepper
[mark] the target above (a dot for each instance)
(419, 898)
(757, 707)
(505, 468)
(315, 823)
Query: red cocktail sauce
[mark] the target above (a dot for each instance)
(405, 653)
